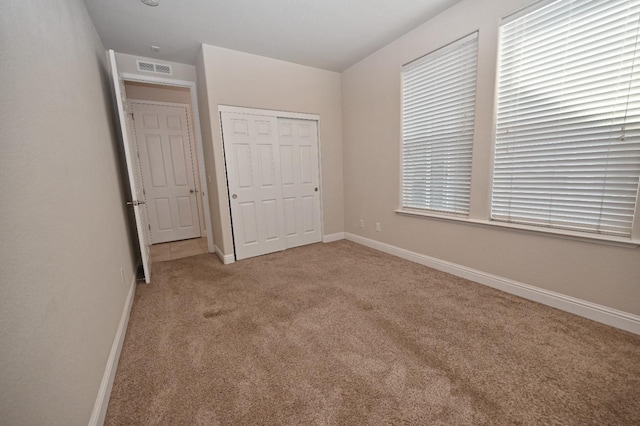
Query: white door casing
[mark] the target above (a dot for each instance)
(298, 141)
(134, 179)
(165, 148)
(195, 120)
(273, 181)
(253, 172)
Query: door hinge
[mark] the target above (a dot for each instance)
(149, 227)
(143, 193)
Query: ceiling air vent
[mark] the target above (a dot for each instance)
(153, 67)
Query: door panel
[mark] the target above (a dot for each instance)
(185, 212)
(135, 180)
(173, 122)
(155, 160)
(253, 173)
(249, 223)
(179, 162)
(298, 140)
(163, 211)
(167, 166)
(266, 166)
(286, 155)
(308, 214)
(272, 215)
(242, 161)
(290, 216)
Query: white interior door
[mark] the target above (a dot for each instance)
(298, 141)
(253, 171)
(134, 179)
(165, 148)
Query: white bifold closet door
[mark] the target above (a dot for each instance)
(272, 173)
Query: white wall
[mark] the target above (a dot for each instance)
(157, 92)
(371, 97)
(228, 77)
(62, 215)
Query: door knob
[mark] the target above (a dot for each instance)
(315, 189)
(135, 203)
(234, 196)
(193, 191)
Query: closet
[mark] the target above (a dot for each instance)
(273, 182)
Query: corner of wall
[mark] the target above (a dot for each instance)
(206, 123)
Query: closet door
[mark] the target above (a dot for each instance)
(252, 157)
(298, 141)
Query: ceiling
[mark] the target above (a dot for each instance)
(328, 34)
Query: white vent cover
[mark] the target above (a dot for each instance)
(153, 67)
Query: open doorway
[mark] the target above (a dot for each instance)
(170, 165)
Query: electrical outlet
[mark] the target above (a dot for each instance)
(361, 223)
(122, 274)
(378, 227)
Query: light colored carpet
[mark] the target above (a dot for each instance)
(337, 334)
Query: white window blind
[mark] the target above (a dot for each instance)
(438, 103)
(567, 149)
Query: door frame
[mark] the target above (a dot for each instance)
(276, 114)
(191, 85)
(192, 147)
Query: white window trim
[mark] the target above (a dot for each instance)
(559, 233)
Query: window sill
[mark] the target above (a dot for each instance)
(569, 235)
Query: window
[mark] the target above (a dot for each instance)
(567, 151)
(438, 104)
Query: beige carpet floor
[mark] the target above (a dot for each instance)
(338, 334)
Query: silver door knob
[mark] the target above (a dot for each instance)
(234, 196)
(193, 191)
(315, 189)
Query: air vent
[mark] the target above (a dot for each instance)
(164, 69)
(153, 67)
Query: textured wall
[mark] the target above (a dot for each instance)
(371, 97)
(62, 216)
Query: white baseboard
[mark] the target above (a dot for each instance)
(104, 392)
(333, 237)
(583, 308)
(224, 258)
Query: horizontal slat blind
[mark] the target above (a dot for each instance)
(568, 125)
(438, 103)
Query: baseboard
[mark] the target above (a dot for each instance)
(583, 308)
(333, 237)
(224, 258)
(104, 393)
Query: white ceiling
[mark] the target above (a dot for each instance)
(329, 34)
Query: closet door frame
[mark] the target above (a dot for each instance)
(280, 114)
